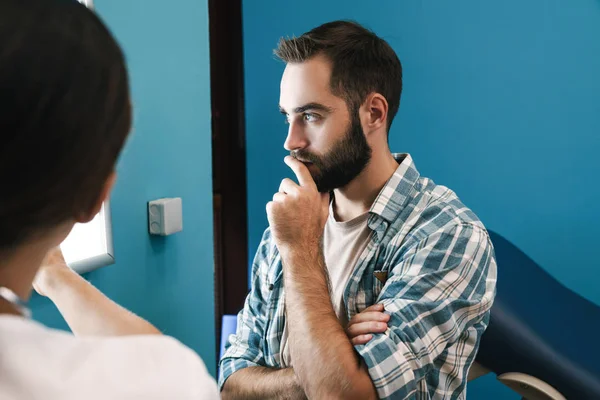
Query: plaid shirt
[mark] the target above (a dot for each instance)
(429, 261)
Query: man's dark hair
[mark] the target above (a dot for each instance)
(65, 114)
(362, 62)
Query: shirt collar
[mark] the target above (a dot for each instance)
(396, 193)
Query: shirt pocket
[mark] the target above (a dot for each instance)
(379, 279)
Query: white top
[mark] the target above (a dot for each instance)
(343, 243)
(41, 363)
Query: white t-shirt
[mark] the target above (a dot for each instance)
(41, 363)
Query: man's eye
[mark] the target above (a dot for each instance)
(308, 117)
(286, 119)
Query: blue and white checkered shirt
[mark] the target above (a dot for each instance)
(430, 262)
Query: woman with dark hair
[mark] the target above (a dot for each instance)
(65, 114)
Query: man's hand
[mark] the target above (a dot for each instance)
(298, 212)
(362, 326)
(53, 264)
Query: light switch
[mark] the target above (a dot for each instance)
(165, 216)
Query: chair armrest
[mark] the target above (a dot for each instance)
(529, 387)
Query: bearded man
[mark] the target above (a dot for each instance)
(371, 280)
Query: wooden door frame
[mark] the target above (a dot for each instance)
(228, 159)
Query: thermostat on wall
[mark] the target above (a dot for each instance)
(165, 216)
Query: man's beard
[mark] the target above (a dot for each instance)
(344, 162)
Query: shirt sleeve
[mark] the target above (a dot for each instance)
(439, 292)
(244, 348)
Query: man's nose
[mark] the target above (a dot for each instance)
(296, 139)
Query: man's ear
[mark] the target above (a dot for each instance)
(375, 112)
(104, 193)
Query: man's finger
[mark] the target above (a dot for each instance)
(362, 339)
(288, 186)
(279, 197)
(365, 316)
(374, 307)
(365, 328)
(302, 173)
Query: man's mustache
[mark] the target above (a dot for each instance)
(305, 156)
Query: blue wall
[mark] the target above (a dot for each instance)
(501, 103)
(168, 281)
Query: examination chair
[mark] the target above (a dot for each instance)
(543, 340)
